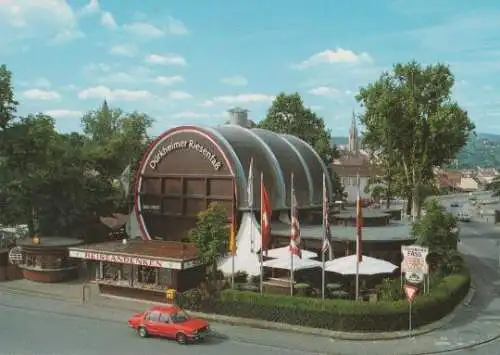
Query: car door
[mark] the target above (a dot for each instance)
(152, 323)
(166, 326)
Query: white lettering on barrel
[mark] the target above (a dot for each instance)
(167, 148)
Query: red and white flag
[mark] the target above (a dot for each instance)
(327, 246)
(359, 227)
(265, 216)
(294, 227)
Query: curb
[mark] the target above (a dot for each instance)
(259, 324)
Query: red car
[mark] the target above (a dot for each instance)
(169, 321)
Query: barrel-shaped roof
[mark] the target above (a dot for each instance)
(276, 157)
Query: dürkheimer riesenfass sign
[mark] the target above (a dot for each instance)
(184, 144)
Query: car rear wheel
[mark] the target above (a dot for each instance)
(181, 338)
(143, 333)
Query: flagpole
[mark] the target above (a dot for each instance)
(324, 238)
(292, 221)
(233, 236)
(261, 256)
(358, 206)
(250, 202)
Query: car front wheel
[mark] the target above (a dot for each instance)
(143, 333)
(181, 338)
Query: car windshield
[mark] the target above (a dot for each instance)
(179, 317)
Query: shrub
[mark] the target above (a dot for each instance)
(343, 314)
(240, 277)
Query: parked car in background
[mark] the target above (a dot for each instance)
(463, 216)
(169, 321)
(454, 204)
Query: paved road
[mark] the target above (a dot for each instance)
(43, 326)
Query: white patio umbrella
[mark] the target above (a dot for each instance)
(298, 263)
(369, 266)
(284, 252)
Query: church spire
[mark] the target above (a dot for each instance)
(353, 136)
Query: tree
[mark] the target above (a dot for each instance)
(211, 235)
(288, 114)
(494, 186)
(49, 173)
(439, 231)
(412, 122)
(8, 105)
(115, 139)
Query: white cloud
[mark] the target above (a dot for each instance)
(107, 20)
(236, 80)
(168, 80)
(91, 8)
(237, 99)
(168, 59)
(179, 95)
(61, 113)
(143, 30)
(190, 114)
(103, 92)
(37, 94)
(126, 50)
(325, 91)
(336, 56)
(36, 18)
(176, 27)
(97, 67)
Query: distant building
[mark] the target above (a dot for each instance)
(486, 175)
(354, 162)
(239, 116)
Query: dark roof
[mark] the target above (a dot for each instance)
(49, 242)
(277, 156)
(152, 248)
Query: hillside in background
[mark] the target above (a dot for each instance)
(482, 150)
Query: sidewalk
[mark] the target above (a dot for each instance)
(471, 325)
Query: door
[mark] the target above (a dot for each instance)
(166, 326)
(152, 323)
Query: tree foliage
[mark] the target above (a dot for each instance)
(211, 235)
(67, 179)
(413, 124)
(494, 186)
(439, 231)
(8, 105)
(115, 139)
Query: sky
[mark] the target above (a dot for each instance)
(188, 62)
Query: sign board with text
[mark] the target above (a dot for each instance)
(123, 259)
(414, 263)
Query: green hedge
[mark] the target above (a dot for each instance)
(338, 314)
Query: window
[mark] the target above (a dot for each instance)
(153, 316)
(164, 318)
(180, 317)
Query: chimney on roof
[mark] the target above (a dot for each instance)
(238, 116)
